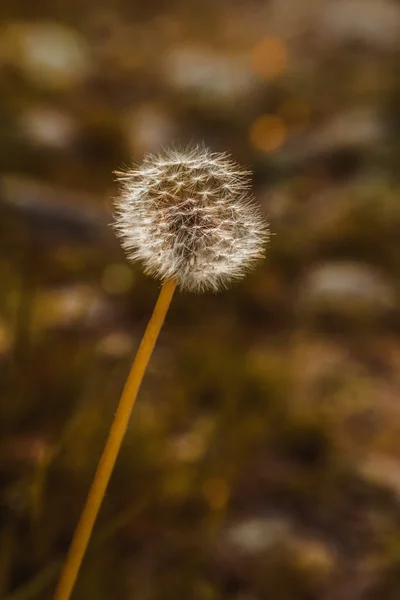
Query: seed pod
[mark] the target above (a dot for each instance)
(189, 216)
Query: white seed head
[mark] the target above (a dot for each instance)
(188, 216)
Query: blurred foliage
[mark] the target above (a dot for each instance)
(263, 457)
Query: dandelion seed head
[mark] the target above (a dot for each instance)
(188, 215)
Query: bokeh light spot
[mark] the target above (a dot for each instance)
(269, 57)
(268, 133)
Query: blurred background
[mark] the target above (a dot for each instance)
(263, 456)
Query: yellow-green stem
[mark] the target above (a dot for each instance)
(106, 464)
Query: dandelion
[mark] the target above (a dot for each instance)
(188, 216)
(189, 219)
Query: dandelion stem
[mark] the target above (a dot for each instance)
(107, 461)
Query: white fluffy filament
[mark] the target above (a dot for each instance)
(189, 216)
